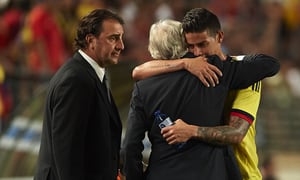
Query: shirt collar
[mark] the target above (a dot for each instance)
(99, 70)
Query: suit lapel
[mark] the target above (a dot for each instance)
(111, 107)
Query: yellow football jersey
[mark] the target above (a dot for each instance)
(244, 103)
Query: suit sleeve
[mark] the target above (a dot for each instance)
(70, 108)
(252, 69)
(133, 146)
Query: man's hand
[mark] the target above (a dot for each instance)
(179, 132)
(207, 73)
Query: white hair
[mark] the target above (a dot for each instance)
(166, 40)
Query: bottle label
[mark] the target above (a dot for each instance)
(165, 123)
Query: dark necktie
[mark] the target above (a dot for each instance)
(106, 85)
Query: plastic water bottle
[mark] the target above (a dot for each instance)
(164, 121)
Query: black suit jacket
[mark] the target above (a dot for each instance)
(81, 130)
(181, 95)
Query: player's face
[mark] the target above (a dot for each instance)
(202, 44)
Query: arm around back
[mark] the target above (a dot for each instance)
(252, 69)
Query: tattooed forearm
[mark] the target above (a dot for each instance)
(228, 134)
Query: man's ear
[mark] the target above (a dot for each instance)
(89, 40)
(220, 36)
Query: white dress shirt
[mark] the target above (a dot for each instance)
(99, 70)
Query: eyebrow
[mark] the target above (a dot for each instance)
(116, 34)
(196, 44)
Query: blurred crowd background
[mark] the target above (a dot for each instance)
(36, 38)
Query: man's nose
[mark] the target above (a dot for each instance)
(198, 51)
(120, 45)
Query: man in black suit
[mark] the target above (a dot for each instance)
(180, 95)
(82, 128)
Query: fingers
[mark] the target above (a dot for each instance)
(207, 73)
(203, 80)
(176, 133)
(169, 135)
(216, 70)
(210, 76)
(171, 138)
